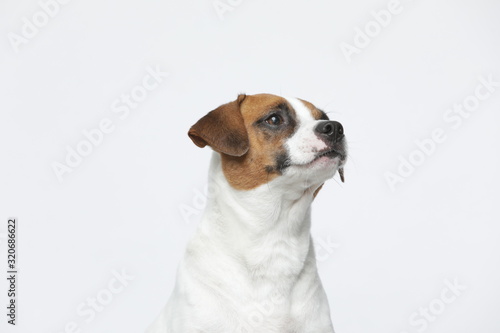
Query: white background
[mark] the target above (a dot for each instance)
(120, 208)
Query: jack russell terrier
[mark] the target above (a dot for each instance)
(251, 265)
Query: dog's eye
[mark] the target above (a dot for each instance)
(274, 120)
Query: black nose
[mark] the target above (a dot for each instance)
(331, 129)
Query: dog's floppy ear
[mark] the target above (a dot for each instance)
(222, 129)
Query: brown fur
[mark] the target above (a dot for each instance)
(317, 114)
(251, 162)
(317, 191)
(257, 167)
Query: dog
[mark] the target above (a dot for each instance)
(251, 265)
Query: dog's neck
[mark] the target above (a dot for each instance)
(277, 204)
(266, 227)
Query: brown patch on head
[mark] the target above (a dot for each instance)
(250, 143)
(266, 158)
(316, 113)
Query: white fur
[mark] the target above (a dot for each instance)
(303, 145)
(251, 268)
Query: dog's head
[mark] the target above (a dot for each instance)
(263, 137)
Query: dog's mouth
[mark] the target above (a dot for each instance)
(333, 153)
(330, 153)
(338, 151)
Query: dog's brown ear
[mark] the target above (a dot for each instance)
(223, 129)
